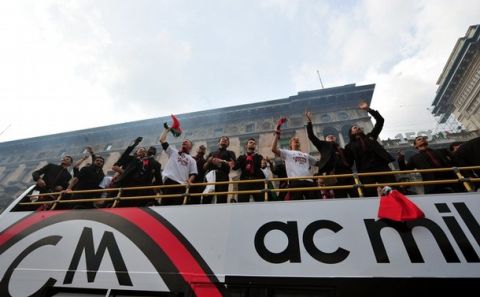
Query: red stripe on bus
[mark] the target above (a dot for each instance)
(183, 260)
(24, 223)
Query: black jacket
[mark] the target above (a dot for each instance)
(89, 177)
(374, 157)
(141, 172)
(257, 163)
(200, 160)
(326, 150)
(156, 171)
(468, 154)
(125, 158)
(223, 154)
(331, 159)
(422, 161)
(53, 175)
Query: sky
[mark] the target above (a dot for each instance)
(70, 65)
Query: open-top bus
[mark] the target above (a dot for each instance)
(325, 247)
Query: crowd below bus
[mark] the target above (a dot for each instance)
(137, 167)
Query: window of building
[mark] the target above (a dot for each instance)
(295, 122)
(250, 128)
(108, 147)
(218, 132)
(267, 126)
(342, 116)
(284, 141)
(325, 118)
(212, 145)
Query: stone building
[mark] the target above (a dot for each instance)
(459, 84)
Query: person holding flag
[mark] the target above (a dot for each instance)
(297, 163)
(181, 168)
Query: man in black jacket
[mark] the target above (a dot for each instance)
(468, 154)
(367, 153)
(53, 177)
(250, 166)
(76, 166)
(134, 171)
(88, 178)
(332, 161)
(221, 160)
(156, 169)
(125, 158)
(427, 158)
(200, 178)
(280, 171)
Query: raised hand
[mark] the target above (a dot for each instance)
(308, 115)
(363, 105)
(138, 140)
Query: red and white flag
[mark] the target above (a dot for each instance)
(175, 128)
(280, 122)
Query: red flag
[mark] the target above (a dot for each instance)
(175, 128)
(396, 207)
(280, 122)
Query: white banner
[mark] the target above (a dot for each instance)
(167, 248)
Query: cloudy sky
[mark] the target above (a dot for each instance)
(68, 65)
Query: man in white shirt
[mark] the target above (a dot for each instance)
(181, 168)
(297, 164)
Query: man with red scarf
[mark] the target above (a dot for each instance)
(250, 166)
(221, 160)
(427, 158)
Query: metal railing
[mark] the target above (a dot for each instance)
(52, 200)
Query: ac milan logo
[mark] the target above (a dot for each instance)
(175, 260)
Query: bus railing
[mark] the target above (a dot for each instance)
(52, 200)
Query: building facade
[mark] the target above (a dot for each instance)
(458, 92)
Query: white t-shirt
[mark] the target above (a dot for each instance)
(297, 163)
(179, 166)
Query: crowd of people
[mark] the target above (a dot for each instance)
(137, 167)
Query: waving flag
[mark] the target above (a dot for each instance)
(280, 122)
(175, 129)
